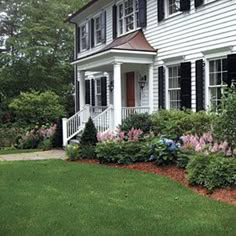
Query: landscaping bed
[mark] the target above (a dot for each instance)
(227, 194)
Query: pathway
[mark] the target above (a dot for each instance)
(44, 155)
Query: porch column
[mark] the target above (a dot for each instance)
(117, 94)
(81, 89)
(150, 78)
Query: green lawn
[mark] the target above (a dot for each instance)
(62, 198)
(16, 151)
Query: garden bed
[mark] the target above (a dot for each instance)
(223, 194)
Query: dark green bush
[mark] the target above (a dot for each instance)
(184, 157)
(224, 125)
(88, 141)
(173, 123)
(212, 171)
(137, 121)
(57, 136)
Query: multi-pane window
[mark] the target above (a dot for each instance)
(173, 6)
(98, 29)
(84, 36)
(174, 87)
(128, 16)
(98, 92)
(217, 76)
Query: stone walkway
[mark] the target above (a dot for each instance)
(44, 155)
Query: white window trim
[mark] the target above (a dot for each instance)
(207, 76)
(167, 14)
(122, 2)
(87, 35)
(100, 14)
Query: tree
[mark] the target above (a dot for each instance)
(39, 45)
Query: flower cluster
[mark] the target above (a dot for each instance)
(119, 136)
(47, 132)
(206, 143)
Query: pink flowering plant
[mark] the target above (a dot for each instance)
(206, 144)
(36, 137)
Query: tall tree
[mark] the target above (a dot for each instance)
(39, 45)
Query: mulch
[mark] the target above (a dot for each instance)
(222, 194)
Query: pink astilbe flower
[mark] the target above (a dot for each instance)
(215, 148)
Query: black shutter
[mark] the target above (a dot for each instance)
(185, 85)
(114, 18)
(77, 99)
(92, 32)
(231, 68)
(161, 87)
(77, 40)
(88, 28)
(87, 91)
(142, 13)
(104, 27)
(104, 91)
(93, 92)
(198, 3)
(185, 5)
(161, 10)
(199, 85)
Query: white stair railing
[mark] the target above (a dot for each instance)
(126, 111)
(104, 121)
(75, 124)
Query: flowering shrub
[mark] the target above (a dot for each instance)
(207, 144)
(34, 137)
(119, 136)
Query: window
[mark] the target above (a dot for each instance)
(84, 37)
(98, 92)
(98, 29)
(128, 16)
(173, 6)
(174, 86)
(217, 76)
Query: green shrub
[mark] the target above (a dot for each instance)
(88, 141)
(173, 123)
(224, 125)
(122, 152)
(137, 121)
(212, 171)
(87, 152)
(184, 157)
(37, 107)
(72, 151)
(45, 144)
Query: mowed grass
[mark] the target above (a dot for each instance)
(62, 198)
(18, 151)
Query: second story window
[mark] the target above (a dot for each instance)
(98, 29)
(127, 16)
(173, 6)
(84, 37)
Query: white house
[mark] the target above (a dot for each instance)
(144, 55)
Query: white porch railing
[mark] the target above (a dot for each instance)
(75, 124)
(104, 121)
(96, 110)
(126, 111)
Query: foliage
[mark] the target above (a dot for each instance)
(164, 151)
(137, 121)
(212, 171)
(39, 48)
(122, 152)
(38, 137)
(184, 156)
(175, 123)
(72, 151)
(206, 143)
(224, 126)
(89, 136)
(57, 136)
(87, 151)
(37, 107)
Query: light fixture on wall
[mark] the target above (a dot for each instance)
(142, 82)
(111, 85)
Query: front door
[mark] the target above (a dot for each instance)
(130, 89)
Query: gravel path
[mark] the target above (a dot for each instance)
(44, 155)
